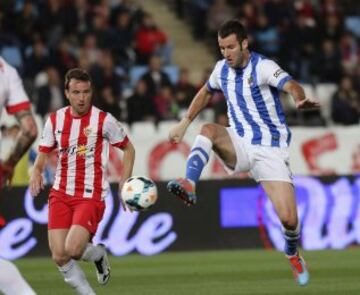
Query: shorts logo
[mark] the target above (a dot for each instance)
(87, 131)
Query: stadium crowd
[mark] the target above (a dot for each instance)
(316, 41)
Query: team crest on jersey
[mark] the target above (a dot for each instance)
(251, 81)
(87, 131)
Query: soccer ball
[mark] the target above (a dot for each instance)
(139, 193)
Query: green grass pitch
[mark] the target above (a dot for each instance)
(208, 273)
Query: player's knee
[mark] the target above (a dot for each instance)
(74, 251)
(288, 220)
(60, 258)
(208, 130)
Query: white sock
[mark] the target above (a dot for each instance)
(198, 158)
(11, 281)
(75, 277)
(92, 253)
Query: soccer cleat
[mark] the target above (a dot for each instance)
(299, 269)
(103, 268)
(183, 189)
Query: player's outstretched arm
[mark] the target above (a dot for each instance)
(128, 161)
(36, 180)
(28, 133)
(297, 92)
(199, 102)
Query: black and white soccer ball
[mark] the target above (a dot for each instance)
(139, 193)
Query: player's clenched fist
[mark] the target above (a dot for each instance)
(176, 133)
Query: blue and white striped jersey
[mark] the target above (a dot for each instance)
(252, 96)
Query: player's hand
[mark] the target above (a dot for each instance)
(177, 133)
(36, 183)
(307, 103)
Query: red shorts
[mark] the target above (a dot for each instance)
(64, 211)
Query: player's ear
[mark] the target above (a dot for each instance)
(66, 93)
(245, 44)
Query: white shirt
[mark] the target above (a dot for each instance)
(12, 93)
(252, 96)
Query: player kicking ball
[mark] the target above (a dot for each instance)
(258, 138)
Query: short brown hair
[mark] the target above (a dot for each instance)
(77, 74)
(233, 26)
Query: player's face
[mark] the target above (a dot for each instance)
(79, 95)
(231, 50)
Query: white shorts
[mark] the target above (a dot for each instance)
(265, 163)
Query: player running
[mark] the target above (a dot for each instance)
(81, 133)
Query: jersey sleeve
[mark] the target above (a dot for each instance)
(47, 140)
(273, 75)
(17, 99)
(114, 132)
(213, 82)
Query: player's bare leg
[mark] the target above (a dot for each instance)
(282, 196)
(69, 268)
(212, 137)
(78, 246)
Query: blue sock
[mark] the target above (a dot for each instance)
(291, 240)
(198, 158)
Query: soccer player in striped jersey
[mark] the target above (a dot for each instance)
(81, 133)
(258, 138)
(16, 101)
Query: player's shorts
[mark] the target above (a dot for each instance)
(65, 211)
(265, 163)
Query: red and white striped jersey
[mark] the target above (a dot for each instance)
(83, 150)
(12, 93)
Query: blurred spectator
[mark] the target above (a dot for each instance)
(327, 63)
(197, 17)
(350, 52)
(166, 106)
(149, 40)
(53, 21)
(109, 103)
(332, 28)
(218, 13)
(122, 37)
(37, 60)
(184, 90)
(63, 56)
(155, 77)
(140, 106)
(27, 22)
(249, 14)
(50, 97)
(300, 42)
(104, 74)
(266, 37)
(102, 32)
(345, 108)
(90, 48)
(330, 7)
